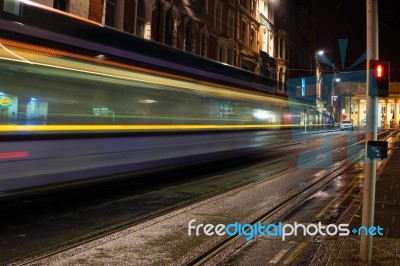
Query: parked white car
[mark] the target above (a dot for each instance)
(346, 124)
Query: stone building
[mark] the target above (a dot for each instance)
(221, 30)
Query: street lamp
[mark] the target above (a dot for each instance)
(321, 59)
(318, 85)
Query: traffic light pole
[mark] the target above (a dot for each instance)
(368, 206)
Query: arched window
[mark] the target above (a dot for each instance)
(169, 27)
(140, 16)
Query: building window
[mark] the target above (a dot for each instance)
(60, 5)
(303, 82)
(221, 53)
(271, 44)
(231, 24)
(265, 39)
(189, 37)
(218, 17)
(111, 10)
(252, 6)
(140, 15)
(203, 45)
(252, 38)
(169, 27)
(229, 56)
(243, 33)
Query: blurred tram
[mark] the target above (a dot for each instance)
(82, 102)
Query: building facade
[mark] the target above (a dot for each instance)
(389, 108)
(228, 31)
(268, 37)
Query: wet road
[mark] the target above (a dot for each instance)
(33, 228)
(325, 207)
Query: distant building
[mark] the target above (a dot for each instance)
(353, 95)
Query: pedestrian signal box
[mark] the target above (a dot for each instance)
(377, 149)
(379, 78)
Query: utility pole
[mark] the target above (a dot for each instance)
(368, 206)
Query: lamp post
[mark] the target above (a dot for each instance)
(318, 73)
(368, 206)
(334, 99)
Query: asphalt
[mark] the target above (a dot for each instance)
(386, 248)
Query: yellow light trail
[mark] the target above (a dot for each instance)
(46, 57)
(42, 128)
(55, 59)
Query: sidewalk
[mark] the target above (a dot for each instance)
(386, 249)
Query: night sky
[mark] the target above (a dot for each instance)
(346, 19)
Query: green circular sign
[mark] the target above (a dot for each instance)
(5, 101)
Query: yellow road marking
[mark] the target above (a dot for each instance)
(295, 253)
(282, 253)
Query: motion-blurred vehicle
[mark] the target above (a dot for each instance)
(80, 103)
(346, 124)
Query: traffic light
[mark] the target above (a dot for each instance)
(380, 78)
